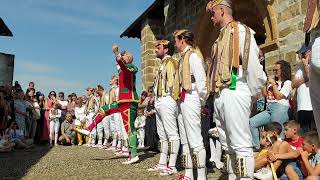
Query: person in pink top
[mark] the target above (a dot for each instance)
(49, 106)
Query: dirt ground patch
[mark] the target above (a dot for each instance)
(75, 162)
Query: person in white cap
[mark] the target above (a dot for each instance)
(235, 77)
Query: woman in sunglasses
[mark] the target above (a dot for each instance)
(277, 91)
(49, 106)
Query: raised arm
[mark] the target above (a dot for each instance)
(119, 58)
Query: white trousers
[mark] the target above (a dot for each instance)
(140, 133)
(106, 124)
(182, 129)
(54, 130)
(166, 119)
(232, 110)
(315, 81)
(191, 116)
(122, 133)
(89, 119)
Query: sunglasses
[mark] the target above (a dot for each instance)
(53, 94)
(60, 95)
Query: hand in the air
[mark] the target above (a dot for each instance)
(115, 49)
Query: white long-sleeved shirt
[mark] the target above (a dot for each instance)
(140, 122)
(55, 114)
(80, 114)
(197, 70)
(254, 76)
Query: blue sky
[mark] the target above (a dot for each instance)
(65, 45)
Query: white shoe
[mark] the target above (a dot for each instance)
(83, 131)
(100, 146)
(131, 160)
(122, 154)
(94, 145)
(263, 174)
(87, 145)
(219, 164)
(111, 148)
(157, 167)
(169, 171)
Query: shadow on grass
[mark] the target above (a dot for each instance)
(16, 164)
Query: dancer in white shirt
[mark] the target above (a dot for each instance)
(236, 76)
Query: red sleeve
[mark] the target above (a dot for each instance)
(300, 141)
(122, 65)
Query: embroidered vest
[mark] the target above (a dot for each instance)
(165, 77)
(312, 16)
(226, 57)
(112, 95)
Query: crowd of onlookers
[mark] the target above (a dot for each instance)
(282, 122)
(283, 128)
(29, 117)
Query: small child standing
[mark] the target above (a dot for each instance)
(139, 124)
(311, 155)
(54, 116)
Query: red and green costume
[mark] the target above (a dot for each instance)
(128, 104)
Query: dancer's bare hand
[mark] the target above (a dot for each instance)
(115, 49)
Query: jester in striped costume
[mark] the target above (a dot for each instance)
(128, 101)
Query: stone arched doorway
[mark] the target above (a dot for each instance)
(257, 14)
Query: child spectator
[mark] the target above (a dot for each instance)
(271, 141)
(67, 130)
(285, 161)
(139, 124)
(291, 130)
(54, 117)
(311, 155)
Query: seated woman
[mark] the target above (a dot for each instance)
(277, 92)
(5, 144)
(16, 136)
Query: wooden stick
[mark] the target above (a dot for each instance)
(273, 171)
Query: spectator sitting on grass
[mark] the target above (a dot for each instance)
(16, 136)
(5, 144)
(68, 133)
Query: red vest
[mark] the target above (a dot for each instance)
(127, 82)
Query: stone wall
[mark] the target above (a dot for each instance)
(6, 69)
(285, 20)
(150, 63)
(290, 19)
(181, 14)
